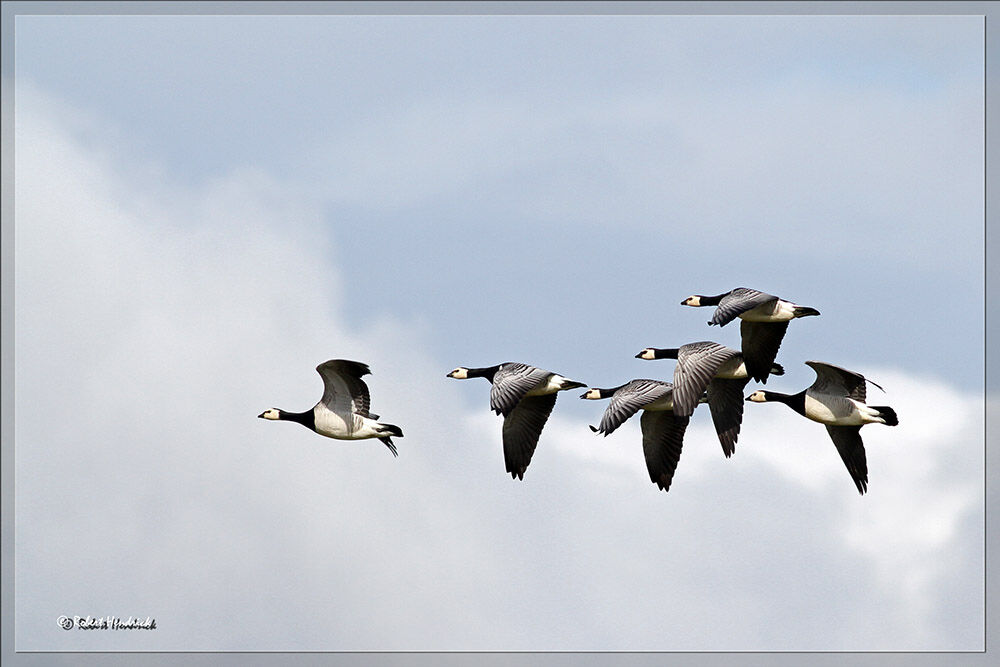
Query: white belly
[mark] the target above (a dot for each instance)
(733, 369)
(837, 411)
(550, 386)
(343, 427)
(779, 311)
(660, 404)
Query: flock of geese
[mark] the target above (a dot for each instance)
(706, 372)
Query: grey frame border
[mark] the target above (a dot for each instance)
(10, 9)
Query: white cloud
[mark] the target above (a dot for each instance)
(155, 321)
(925, 482)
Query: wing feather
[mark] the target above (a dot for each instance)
(760, 343)
(725, 401)
(835, 380)
(852, 451)
(521, 430)
(662, 440)
(739, 301)
(630, 399)
(344, 392)
(511, 382)
(697, 364)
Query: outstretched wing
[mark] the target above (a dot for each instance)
(832, 379)
(662, 439)
(511, 382)
(725, 400)
(697, 364)
(344, 392)
(760, 343)
(628, 400)
(739, 301)
(521, 429)
(852, 451)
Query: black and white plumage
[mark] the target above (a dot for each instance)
(525, 396)
(343, 411)
(720, 371)
(764, 320)
(837, 399)
(662, 430)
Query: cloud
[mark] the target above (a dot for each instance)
(155, 320)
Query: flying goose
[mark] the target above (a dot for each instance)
(837, 399)
(524, 395)
(718, 369)
(764, 319)
(342, 413)
(662, 430)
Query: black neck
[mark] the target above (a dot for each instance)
(664, 352)
(608, 393)
(796, 402)
(711, 300)
(307, 418)
(487, 372)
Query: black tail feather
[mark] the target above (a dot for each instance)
(388, 443)
(887, 413)
(392, 429)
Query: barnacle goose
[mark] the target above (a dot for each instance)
(342, 413)
(837, 399)
(764, 319)
(525, 396)
(718, 369)
(662, 430)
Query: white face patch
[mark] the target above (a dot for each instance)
(459, 373)
(647, 354)
(271, 413)
(757, 397)
(692, 300)
(593, 394)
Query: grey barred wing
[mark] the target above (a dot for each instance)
(697, 364)
(631, 398)
(738, 301)
(835, 380)
(344, 392)
(511, 382)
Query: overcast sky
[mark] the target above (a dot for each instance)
(208, 207)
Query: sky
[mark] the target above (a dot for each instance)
(208, 207)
